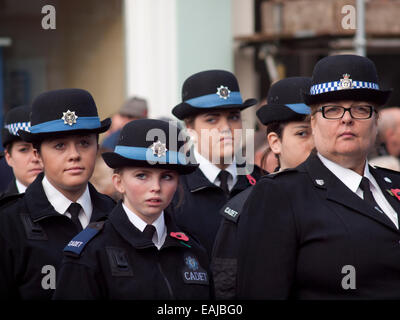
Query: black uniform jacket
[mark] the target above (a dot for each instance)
(303, 234)
(11, 190)
(32, 237)
(197, 213)
(224, 254)
(120, 263)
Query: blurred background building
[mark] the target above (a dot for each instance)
(117, 49)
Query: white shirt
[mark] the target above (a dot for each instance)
(352, 180)
(161, 231)
(62, 203)
(211, 171)
(20, 187)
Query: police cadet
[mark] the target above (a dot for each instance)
(211, 111)
(289, 136)
(332, 230)
(60, 202)
(18, 153)
(139, 253)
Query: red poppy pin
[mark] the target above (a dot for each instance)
(395, 193)
(252, 181)
(179, 236)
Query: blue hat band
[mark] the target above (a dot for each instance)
(146, 154)
(14, 127)
(299, 108)
(85, 123)
(215, 100)
(337, 85)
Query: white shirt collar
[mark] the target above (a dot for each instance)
(211, 171)
(20, 187)
(159, 224)
(61, 203)
(349, 177)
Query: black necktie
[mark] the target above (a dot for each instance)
(148, 232)
(365, 187)
(223, 177)
(74, 210)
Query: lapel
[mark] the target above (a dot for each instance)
(12, 188)
(386, 184)
(197, 181)
(102, 204)
(36, 201)
(336, 191)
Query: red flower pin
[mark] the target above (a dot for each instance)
(179, 236)
(251, 179)
(396, 193)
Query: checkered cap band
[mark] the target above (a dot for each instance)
(14, 127)
(336, 85)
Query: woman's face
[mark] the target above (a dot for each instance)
(69, 161)
(24, 162)
(345, 141)
(215, 134)
(295, 145)
(146, 191)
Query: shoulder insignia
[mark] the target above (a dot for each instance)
(280, 173)
(78, 243)
(232, 209)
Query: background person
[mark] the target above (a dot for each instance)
(19, 154)
(210, 107)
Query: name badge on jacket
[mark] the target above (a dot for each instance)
(192, 272)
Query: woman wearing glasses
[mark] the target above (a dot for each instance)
(332, 230)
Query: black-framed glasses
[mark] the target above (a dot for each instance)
(356, 112)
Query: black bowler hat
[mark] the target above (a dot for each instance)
(17, 118)
(65, 111)
(345, 77)
(150, 143)
(284, 101)
(207, 90)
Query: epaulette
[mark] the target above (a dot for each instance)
(280, 173)
(78, 243)
(10, 199)
(386, 170)
(233, 208)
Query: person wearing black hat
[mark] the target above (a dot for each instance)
(289, 136)
(139, 253)
(19, 154)
(211, 109)
(332, 231)
(60, 202)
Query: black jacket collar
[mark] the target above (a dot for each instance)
(197, 181)
(335, 190)
(40, 208)
(121, 223)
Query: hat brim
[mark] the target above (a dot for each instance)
(185, 110)
(278, 113)
(114, 160)
(380, 97)
(36, 137)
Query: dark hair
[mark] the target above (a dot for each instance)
(277, 127)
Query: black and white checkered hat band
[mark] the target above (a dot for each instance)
(336, 85)
(14, 127)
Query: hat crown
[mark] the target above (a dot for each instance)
(143, 133)
(334, 68)
(288, 90)
(51, 105)
(18, 114)
(208, 82)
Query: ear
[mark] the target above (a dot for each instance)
(274, 143)
(117, 181)
(8, 158)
